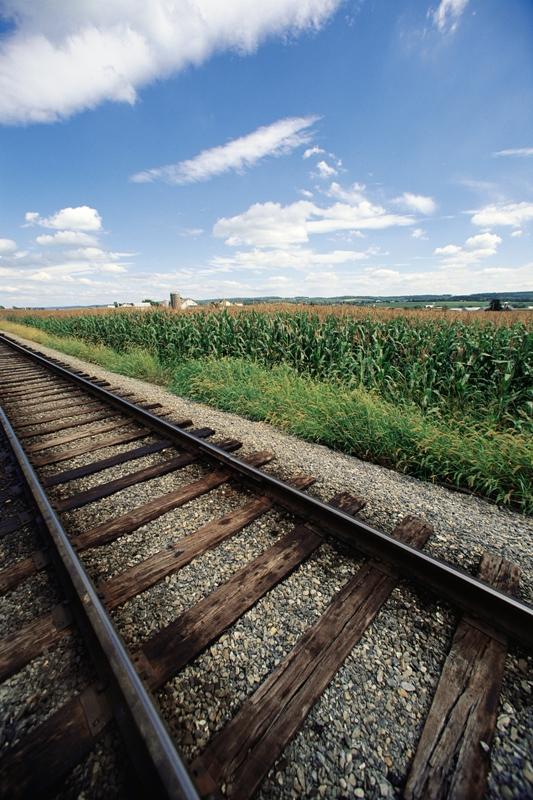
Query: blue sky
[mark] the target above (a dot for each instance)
(308, 147)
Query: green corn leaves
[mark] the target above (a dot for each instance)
(448, 367)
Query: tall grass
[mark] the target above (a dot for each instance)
(447, 367)
(135, 363)
(361, 423)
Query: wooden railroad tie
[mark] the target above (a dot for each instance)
(452, 757)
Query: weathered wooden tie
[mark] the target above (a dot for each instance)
(90, 447)
(104, 463)
(172, 648)
(452, 758)
(80, 411)
(51, 750)
(137, 579)
(29, 641)
(243, 752)
(181, 641)
(51, 390)
(15, 523)
(87, 408)
(55, 427)
(47, 630)
(34, 385)
(127, 523)
(80, 433)
(140, 476)
(22, 570)
(59, 395)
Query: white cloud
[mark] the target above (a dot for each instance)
(266, 225)
(381, 274)
(42, 276)
(475, 249)
(298, 258)
(65, 238)
(446, 16)
(88, 254)
(488, 241)
(325, 170)
(419, 233)
(448, 250)
(513, 214)
(329, 280)
(358, 280)
(113, 268)
(81, 218)
(306, 193)
(313, 151)
(344, 217)
(277, 139)
(7, 246)
(354, 193)
(517, 234)
(62, 58)
(476, 279)
(417, 202)
(272, 225)
(523, 152)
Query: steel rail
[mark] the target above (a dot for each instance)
(506, 614)
(135, 712)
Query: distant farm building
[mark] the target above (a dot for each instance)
(130, 305)
(179, 302)
(225, 303)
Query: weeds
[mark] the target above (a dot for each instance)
(363, 424)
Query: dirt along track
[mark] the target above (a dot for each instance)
(282, 661)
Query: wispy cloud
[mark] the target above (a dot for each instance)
(513, 214)
(313, 151)
(7, 246)
(417, 202)
(522, 152)
(353, 194)
(192, 233)
(65, 238)
(278, 139)
(325, 170)
(447, 14)
(298, 258)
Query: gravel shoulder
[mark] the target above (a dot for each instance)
(359, 738)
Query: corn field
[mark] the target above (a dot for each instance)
(444, 366)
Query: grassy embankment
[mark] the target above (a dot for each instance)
(483, 453)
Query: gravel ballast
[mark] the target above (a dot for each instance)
(359, 738)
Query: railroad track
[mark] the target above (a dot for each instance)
(73, 446)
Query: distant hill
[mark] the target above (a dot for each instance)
(478, 297)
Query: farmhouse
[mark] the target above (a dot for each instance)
(179, 302)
